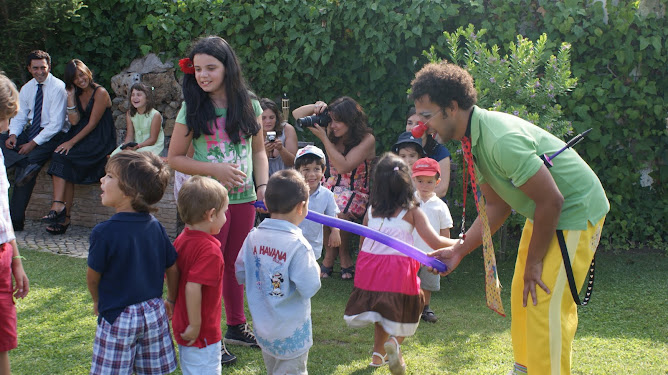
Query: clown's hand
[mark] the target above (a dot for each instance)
(447, 255)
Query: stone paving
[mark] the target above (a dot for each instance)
(73, 243)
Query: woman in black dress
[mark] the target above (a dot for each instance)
(82, 157)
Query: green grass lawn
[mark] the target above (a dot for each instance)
(624, 330)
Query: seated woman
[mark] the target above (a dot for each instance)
(282, 147)
(434, 150)
(350, 149)
(143, 123)
(82, 157)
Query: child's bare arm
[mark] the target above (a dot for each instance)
(365, 222)
(445, 232)
(22, 286)
(428, 234)
(193, 297)
(172, 288)
(93, 280)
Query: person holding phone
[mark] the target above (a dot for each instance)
(280, 137)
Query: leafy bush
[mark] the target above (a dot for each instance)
(25, 27)
(370, 50)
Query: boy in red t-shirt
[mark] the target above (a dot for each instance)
(202, 203)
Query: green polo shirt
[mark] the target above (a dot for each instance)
(507, 153)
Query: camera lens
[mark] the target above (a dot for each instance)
(308, 121)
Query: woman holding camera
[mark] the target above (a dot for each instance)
(350, 149)
(280, 141)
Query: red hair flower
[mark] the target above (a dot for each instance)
(187, 66)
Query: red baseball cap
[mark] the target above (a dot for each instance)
(426, 167)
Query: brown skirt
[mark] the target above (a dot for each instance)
(398, 313)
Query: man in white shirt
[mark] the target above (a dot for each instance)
(34, 132)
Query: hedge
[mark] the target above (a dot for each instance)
(370, 50)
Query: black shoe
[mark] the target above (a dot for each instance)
(240, 335)
(227, 358)
(428, 315)
(26, 174)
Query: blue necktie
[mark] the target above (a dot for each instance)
(37, 114)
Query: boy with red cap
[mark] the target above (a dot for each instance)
(426, 176)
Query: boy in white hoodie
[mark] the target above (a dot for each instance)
(281, 275)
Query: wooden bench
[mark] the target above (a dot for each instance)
(87, 209)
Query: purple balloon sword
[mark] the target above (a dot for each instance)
(375, 235)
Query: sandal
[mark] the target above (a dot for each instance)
(393, 350)
(54, 216)
(325, 272)
(58, 228)
(383, 360)
(347, 273)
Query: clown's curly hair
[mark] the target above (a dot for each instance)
(443, 83)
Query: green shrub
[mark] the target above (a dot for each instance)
(370, 50)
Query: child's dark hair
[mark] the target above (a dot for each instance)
(269, 104)
(346, 110)
(141, 176)
(414, 146)
(285, 190)
(148, 91)
(392, 188)
(201, 114)
(197, 196)
(308, 159)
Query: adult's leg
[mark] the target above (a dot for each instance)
(19, 202)
(330, 252)
(21, 194)
(11, 156)
(543, 334)
(63, 195)
(344, 255)
(59, 187)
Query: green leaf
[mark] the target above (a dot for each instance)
(145, 49)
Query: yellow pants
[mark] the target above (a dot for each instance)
(543, 334)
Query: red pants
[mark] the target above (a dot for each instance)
(240, 220)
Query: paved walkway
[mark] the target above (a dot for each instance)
(73, 243)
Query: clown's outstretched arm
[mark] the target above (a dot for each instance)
(497, 212)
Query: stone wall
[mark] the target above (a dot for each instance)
(88, 211)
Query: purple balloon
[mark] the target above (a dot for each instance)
(375, 235)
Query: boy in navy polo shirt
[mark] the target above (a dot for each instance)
(128, 258)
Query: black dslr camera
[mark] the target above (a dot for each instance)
(322, 119)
